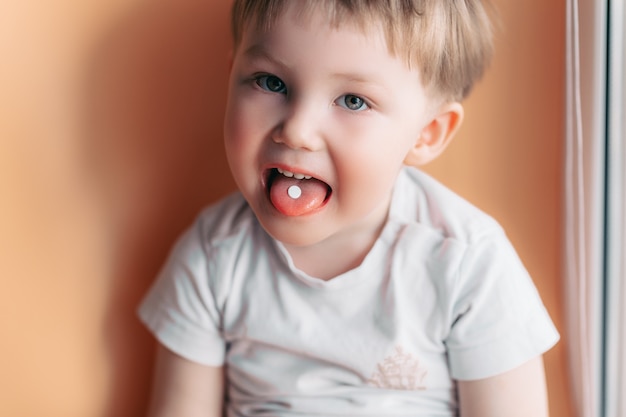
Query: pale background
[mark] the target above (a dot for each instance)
(110, 142)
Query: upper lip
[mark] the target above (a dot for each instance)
(272, 170)
(296, 175)
(289, 171)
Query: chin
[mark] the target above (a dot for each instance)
(294, 233)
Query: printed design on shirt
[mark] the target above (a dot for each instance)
(400, 371)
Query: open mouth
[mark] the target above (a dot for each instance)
(296, 194)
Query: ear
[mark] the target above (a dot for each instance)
(436, 135)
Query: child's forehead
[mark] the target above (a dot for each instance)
(312, 14)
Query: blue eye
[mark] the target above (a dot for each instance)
(271, 83)
(352, 102)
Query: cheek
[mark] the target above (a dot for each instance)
(367, 168)
(246, 122)
(378, 145)
(239, 144)
(367, 172)
(233, 121)
(236, 138)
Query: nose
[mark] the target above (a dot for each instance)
(300, 128)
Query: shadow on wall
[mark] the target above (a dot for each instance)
(154, 109)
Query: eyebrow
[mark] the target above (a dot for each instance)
(354, 77)
(257, 51)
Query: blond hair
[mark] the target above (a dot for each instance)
(449, 41)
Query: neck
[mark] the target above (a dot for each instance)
(337, 254)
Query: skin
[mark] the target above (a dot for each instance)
(306, 98)
(182, 388)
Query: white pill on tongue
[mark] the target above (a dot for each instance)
(294, 192)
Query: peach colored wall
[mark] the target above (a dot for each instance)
(110, 141)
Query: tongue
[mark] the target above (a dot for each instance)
(312, 196)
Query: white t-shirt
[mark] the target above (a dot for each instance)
(441, 296)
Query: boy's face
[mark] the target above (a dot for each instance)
(331, 104)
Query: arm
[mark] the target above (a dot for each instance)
(518, 393)
(182, 388)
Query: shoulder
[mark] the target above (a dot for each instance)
(222, 235)
(448, 230)
(484, 294)
(423, 202)
(185, 305)
(443, 232)
(224, 221)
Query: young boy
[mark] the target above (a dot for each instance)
(341, 280)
